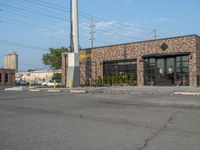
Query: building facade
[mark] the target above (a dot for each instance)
(11, 61)
(36, 76)
(7, 77)
(162, 62)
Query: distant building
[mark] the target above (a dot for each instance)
(36, 76)
(7, 77)
(11, 61)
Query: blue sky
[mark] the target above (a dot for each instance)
(30, 27)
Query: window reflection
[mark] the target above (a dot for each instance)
(167, 71)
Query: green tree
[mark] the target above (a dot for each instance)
(53, 58)
(30, 70)
(57, 76)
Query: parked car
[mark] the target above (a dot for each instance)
(21, 82)
(35, 84)
(50, 83)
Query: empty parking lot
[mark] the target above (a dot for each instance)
(64, 121)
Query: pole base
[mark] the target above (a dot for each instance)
(73, 77)
(73, 72)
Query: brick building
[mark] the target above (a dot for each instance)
(7, 77)
(167, 62)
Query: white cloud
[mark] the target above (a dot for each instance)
(158, 20)
(114, 31)
(162, 20)
(84, 25)
(105, 24)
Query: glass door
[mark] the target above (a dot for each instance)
(160, 74)
(170, 67)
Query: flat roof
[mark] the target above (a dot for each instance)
(6, 69)
(13, 53)
(142, 41)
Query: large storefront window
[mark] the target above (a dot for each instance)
(167, 71)
(123, 72)
(182, 69)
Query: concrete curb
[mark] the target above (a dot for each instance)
(44, 90)
(187, 93)
(53, 90)
(34, 90)
(15, 89)
(78, 91)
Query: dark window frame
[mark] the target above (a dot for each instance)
(6, 77)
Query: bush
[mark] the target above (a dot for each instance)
(99, 81)
(109, 80)
(105, 80)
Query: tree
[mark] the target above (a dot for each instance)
(54, 57)
(57, 76)
(30, 70)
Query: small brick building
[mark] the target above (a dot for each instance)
(7, 77)
(167, 62)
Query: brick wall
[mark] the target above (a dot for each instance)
(11, 77)
(64, 68)
(139, 49)
(198, 55)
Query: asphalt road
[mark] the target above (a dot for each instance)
(63, 121)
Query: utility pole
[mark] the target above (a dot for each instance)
(92, 26)
(73, 72)
(155, 33)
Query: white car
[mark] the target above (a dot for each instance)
(51, 83)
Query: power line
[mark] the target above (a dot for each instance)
(50, 5)
(33, 26)
(86, 15)
(32, 12)
(81, 13)
(27, 11)
(60, 18)
(44, 4)
(21, 45)
(61, 8)
(33, 17)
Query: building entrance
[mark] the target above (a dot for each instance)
(167, 70)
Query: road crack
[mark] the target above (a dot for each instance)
(154, 135)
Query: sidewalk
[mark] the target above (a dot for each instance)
(133, 90)
(149, 90)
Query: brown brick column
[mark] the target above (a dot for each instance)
(192, 69)
(140, 71)
(3, 78)
(64, 68)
